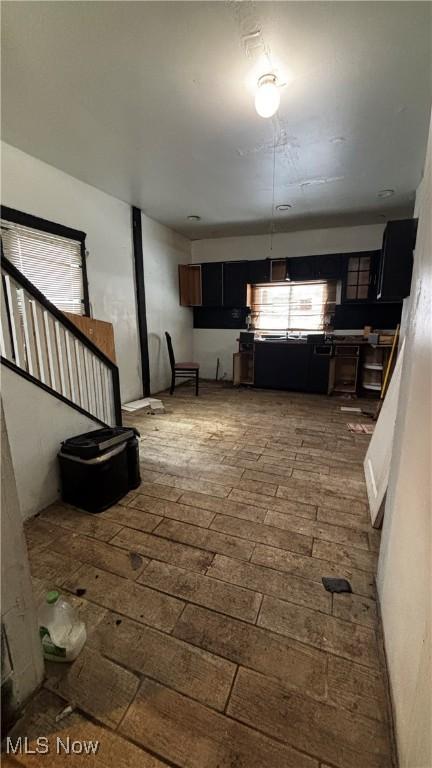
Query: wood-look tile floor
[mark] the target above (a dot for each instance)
(212, 642)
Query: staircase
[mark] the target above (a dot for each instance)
(40, 343)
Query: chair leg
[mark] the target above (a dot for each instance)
(196, 383)
(172, 384)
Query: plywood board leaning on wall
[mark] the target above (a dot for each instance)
(378, 456)
(99, 332)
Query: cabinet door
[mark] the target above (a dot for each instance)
(302, 268)
(359, 276)
(278, 270)
(234, 283)
(394, 278)
(329, 266)
(211, 276)
(269, 365)
(319, 369)
(190, 285)
(258, 271)
(297, 366)
(282, 365)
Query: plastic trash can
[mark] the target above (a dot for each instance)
(98, 468)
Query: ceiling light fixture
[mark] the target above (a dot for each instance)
(283, 207)
(194, 217)
(386, 193)
(267, 97)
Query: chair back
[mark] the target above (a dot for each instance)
(170, 351)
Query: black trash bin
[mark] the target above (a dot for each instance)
(98, 468)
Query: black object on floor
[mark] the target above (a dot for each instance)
(336, 585)
(98, 468)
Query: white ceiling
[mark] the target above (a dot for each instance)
(152, 102)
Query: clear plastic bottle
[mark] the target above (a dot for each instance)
(62, 633)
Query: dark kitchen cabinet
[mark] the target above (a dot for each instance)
(258, 271)
(281, 365)
(395, 270)
(355, 315)
(234, 283)
(302, 268)
(211, 276)
(329, 266)
(219, 317)
(359, 276)
(319, 368)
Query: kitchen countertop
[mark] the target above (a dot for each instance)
(355, 341)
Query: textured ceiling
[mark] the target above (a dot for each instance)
(152, 102)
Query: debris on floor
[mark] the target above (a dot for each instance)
(64, 713)
(150, 404)
(361, 429)
(336, 585)
(350, 408)
(136, 560)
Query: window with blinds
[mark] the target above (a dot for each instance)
(52, 263)
(293, 306)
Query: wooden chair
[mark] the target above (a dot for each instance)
(181, 370)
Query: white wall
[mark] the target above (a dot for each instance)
(37, 423)
(25, 667)
(34, 187)
(209, 344)
(163, 251)
(309, 242)
(404, 571)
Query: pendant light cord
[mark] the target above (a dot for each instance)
(273, 189)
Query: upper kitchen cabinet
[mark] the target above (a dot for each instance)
(258, 271)
(234, 283)
(278, 270)
(212, 284)
(302, 268)
(190, 285)
(395, 270)
(360, 276)
(329, 266)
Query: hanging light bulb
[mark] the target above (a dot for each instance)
(267, 98)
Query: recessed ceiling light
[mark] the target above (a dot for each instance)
(194, 217)
(337, 140)
(386, 193)
(283, 207)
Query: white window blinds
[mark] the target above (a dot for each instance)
(292, 306)
(52, 263)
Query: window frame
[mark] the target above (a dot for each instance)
(269, 331)
(43, 225)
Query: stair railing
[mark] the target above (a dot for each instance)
(40, 343)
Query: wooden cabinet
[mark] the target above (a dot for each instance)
(258, 271)
(212, 280)
(190, 285)
(344, 368)
(278, 270)
(395, 270)
(234, 283)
